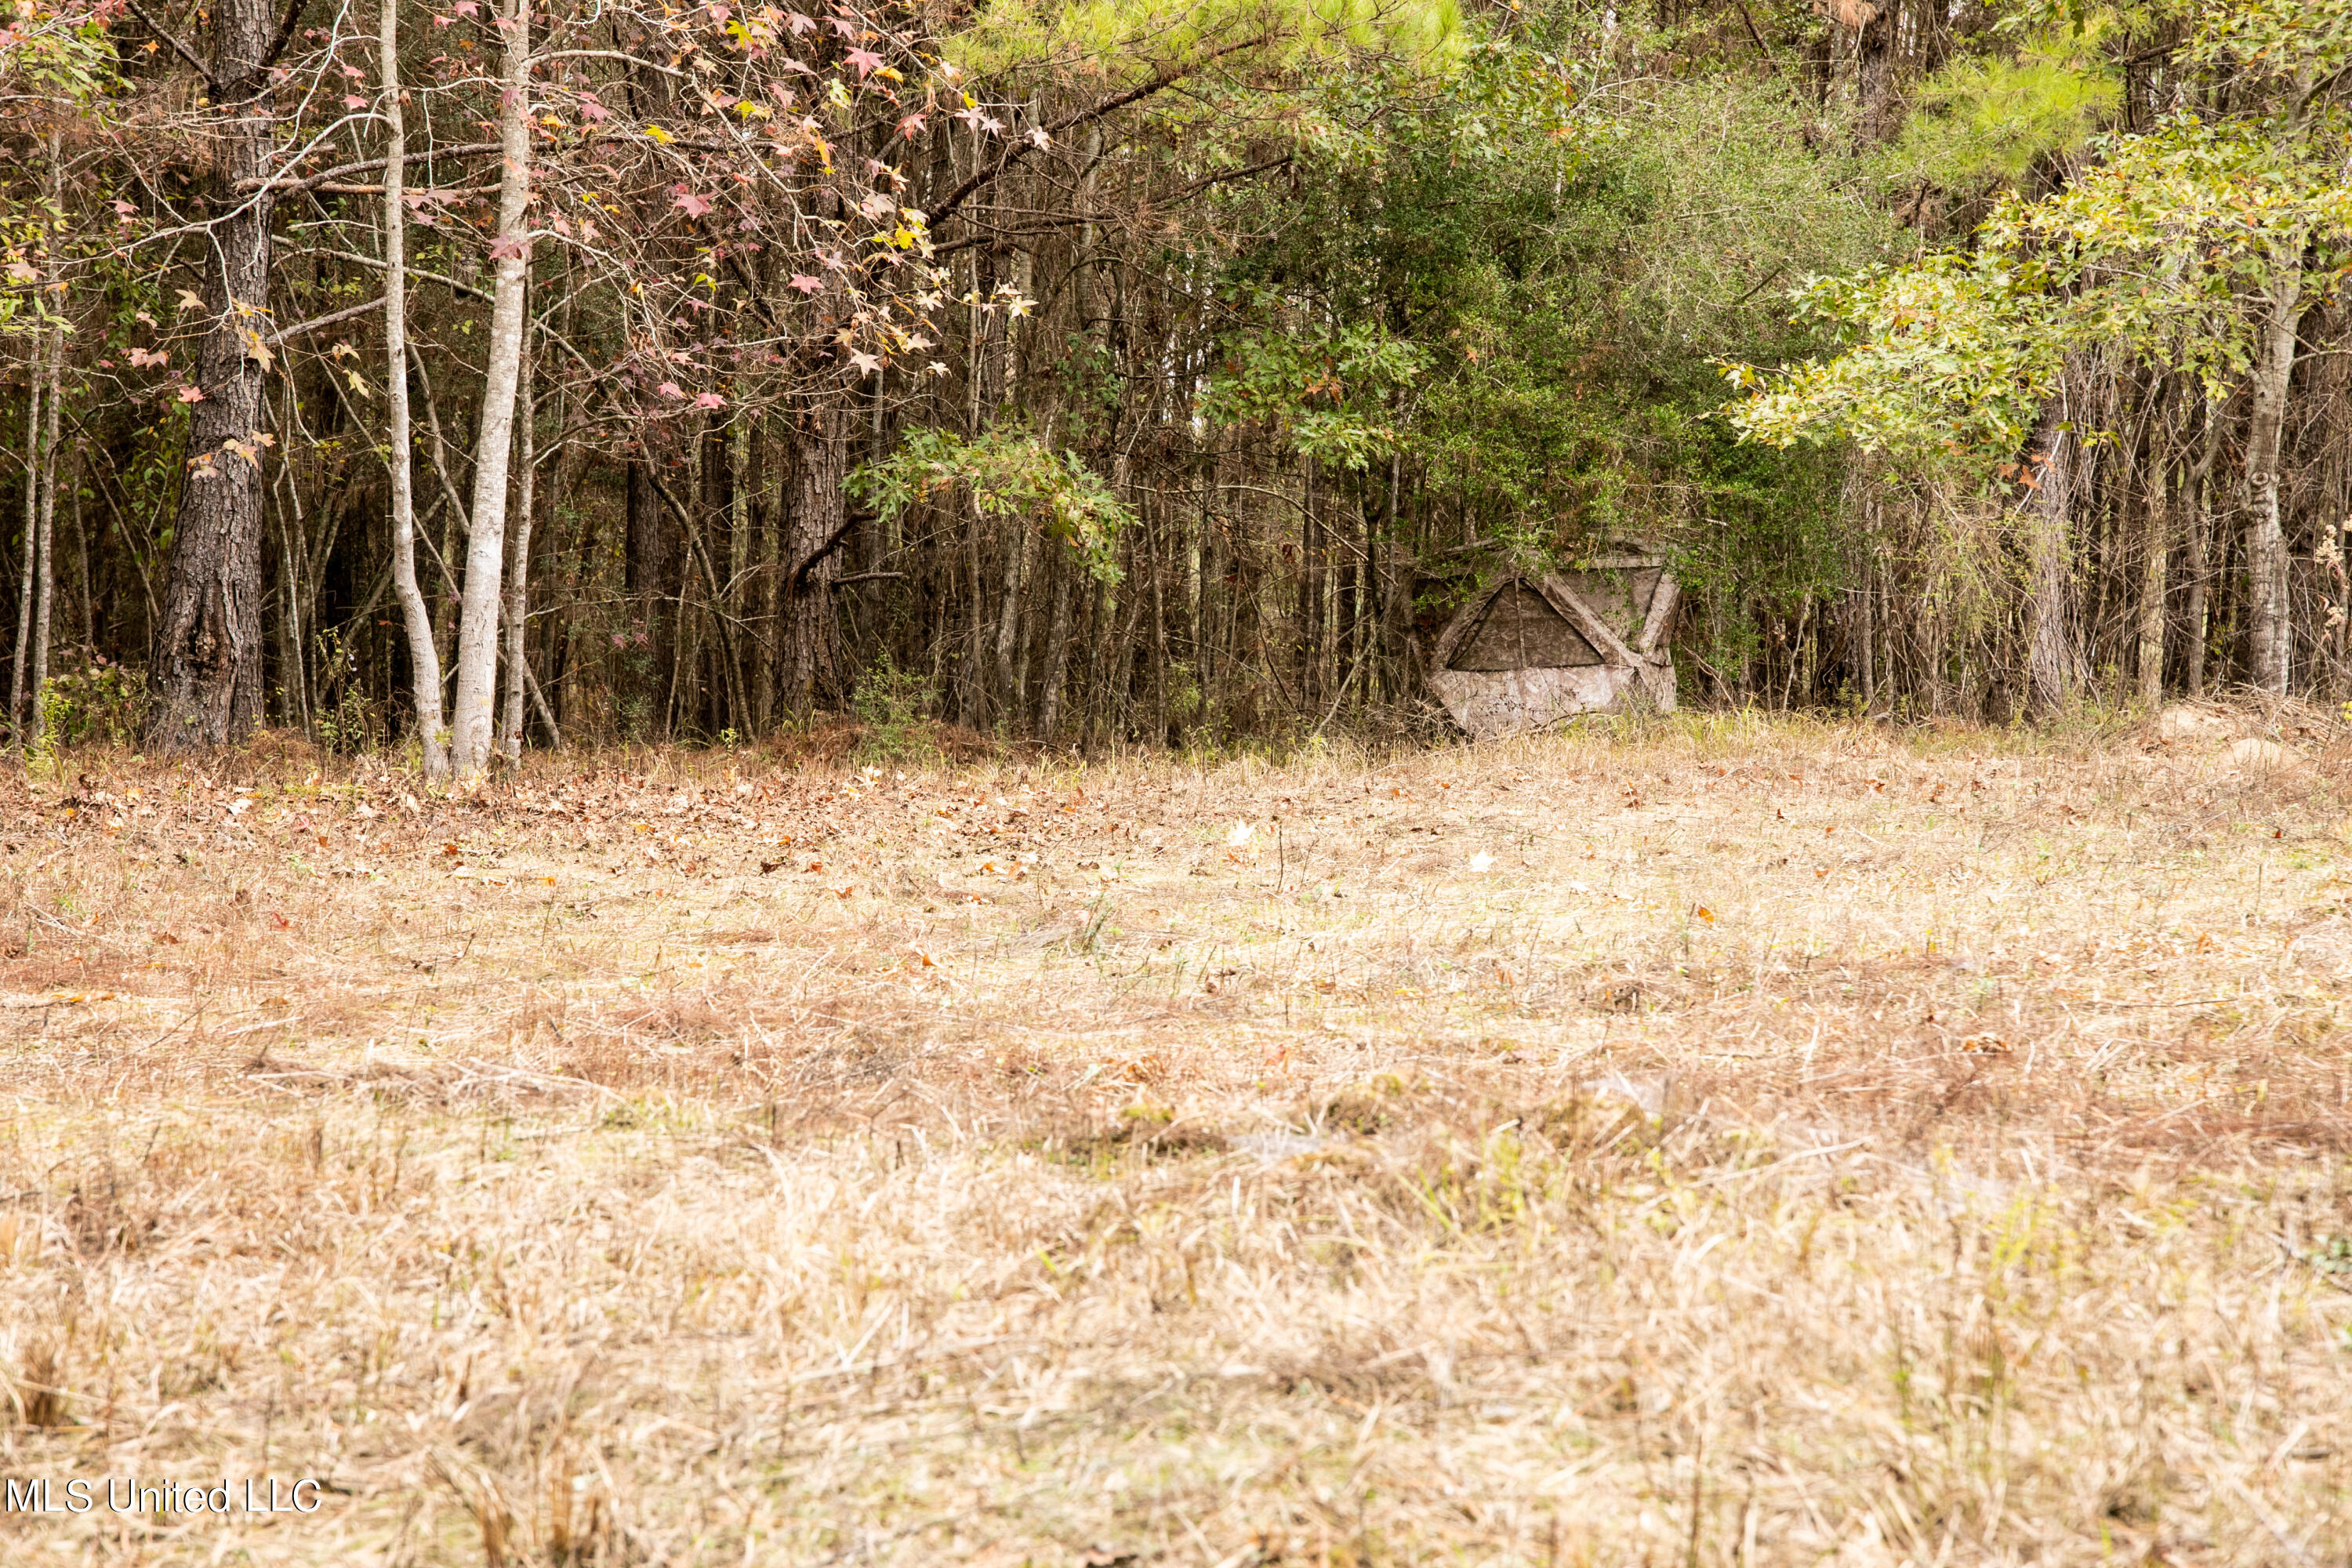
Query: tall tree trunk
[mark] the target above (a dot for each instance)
(654, 564)
(478, 625)
(1878, 113)
(1008, 626)
(44, 576)
(2192, 507)
(36, 386)
(206, 668)
(89, 610)
(293, 705)
(763, 677)
(719, 549)
(2054, 664)
(2154, 541)
(2271, 632)
(1064, 567)
(518, 574)
(816, 524)
(424, 658)
(1310, 594)
(971, 670)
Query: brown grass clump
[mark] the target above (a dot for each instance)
(1711, 1142)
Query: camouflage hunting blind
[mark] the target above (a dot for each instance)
(1530, 650)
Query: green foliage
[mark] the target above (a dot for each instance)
(2172, 245)
(1140, 39)
(1009, 473)
(2298, 39)
(891, 704)
(1949, 351)
(2169, 250)
(1981, 122)
(1564, 265)
(58, 53)
(1329, 398)
(1563, 253)
(101, 704)
(57, 64)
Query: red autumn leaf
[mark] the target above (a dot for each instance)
(864, 60)
(689, 204)
(353, 101)
(191, 394)
(592, 112)
(800, 24)
(804, 283)
(671, 389)
(509, 246)
(467, 8)
(708, 400)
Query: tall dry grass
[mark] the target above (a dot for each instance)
(1708, 1141)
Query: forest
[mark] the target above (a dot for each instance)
(493, 375)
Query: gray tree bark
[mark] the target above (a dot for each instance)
(2271, 637)
(1065, 567)
(1008, 626)
(2270, 634)
(424, 658)
(478, 622)
(2192, 507)
(2155, 545)
(1879, 112)
(519, 576)
(44, 576)
(813, 528)
(205, 674)
(36, 385)
(2054, 663)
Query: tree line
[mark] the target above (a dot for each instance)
(486, 375)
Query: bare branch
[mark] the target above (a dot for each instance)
(612, 55)
(1075, 220)
(285, 33)
(327, 176)
(178, 48)
(1020, 147)
(315, 322)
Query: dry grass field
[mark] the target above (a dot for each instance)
(1712, 1142)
